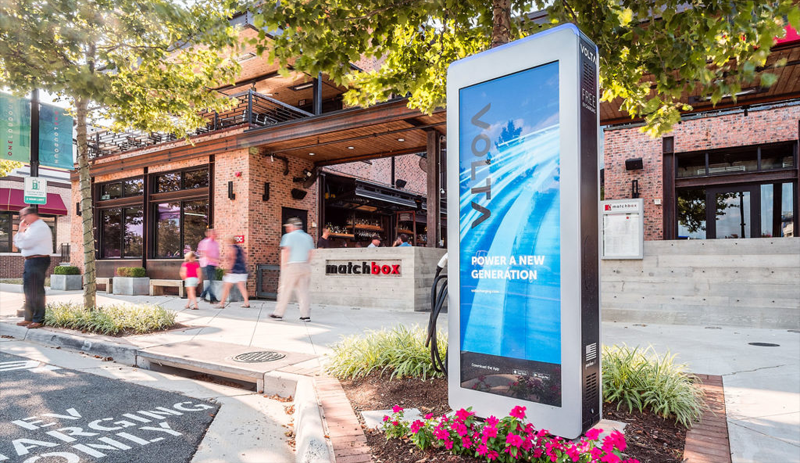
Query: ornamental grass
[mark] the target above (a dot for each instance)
(510, 439)
(114, 319)
(400, 350)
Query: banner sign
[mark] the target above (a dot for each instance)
(523, 270)
(55, 137)
(15, 128)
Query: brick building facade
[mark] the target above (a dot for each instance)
(705, 132)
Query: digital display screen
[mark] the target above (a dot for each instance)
(509, 236)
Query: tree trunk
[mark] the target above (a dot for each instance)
(501, 22)
(90, 287)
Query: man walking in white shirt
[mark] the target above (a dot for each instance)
(296, 250)
(35, 242)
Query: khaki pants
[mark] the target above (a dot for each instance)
(294, 277)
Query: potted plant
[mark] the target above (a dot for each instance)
(131, 281)
(216, 286)
(66, 278)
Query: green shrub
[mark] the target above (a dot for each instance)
(401, 350)
(642, 379)
(220, 272)
(134, 272)
(67, 270)
(113, 319)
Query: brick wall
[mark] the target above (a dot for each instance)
(759, 126)
(13, 265)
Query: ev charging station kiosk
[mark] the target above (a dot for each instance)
(524, 317)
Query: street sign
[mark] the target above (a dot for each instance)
(55, 137)
(35, 190)
(15, 128)
(522, 128)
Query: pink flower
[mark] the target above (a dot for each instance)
(518, 412)
(610, 458)
(429, 416)
(397, 409)
(385, 418)
(492, 455)
(573, 453)
(615, 440)
(466, 443)
(462, 414)
(514, 440)
(593, 433)
(492, 421)
(490, 431)
(448, 444)
(482, 450)
(416, 426)
(395, 423)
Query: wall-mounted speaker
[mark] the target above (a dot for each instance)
(298, 194)
(634, 164)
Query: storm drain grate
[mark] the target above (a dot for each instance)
(258, 357)
(764, 344)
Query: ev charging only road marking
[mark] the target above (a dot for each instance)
(30, 365)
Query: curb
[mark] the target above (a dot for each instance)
(125, 354)
(311, 444)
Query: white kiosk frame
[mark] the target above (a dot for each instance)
(581, 396)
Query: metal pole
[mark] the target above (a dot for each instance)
(250, 106)
(35, 136)
(317, 94)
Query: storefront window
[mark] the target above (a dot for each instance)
(692, 165)
(777, 157)
(179, 227)
(168, 182)
(121, 237)
(733, 161)
(122, 189)
(692, 214)
(195, 179)
(777, 210)
(133, 187)
(5, 232)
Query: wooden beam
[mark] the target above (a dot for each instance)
(669, 206)
(765, 176)
(366, 157)
(434, 150)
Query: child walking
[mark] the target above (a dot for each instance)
(191, 277)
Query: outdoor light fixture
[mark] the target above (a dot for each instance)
(78, 209)
(265, 196)
(634, 189)
(299, 87)
(231, 195)
(400, 183)
(311, 154)
(351, 147)
(634, 164)
(245, 57)
(401, 139)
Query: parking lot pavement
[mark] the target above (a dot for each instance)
(57, 414)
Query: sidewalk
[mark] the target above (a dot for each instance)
(762, 384)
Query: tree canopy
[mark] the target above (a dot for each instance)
(141, 64)
(651, 51)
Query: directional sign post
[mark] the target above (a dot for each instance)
(35, 190)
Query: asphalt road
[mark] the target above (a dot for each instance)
(54, 415)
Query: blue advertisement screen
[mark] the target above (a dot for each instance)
(509, 236)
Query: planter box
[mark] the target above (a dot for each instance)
(66, 282)
(129, 286)
(216, 288)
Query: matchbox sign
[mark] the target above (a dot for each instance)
(383, 268)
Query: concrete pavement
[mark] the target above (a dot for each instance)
(762, 384)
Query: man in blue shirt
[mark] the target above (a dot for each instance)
(296, 250)
(402, 241)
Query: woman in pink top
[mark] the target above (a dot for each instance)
(190, 275)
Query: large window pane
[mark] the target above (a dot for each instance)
(777, 210)
(195, 179)
(692, 214)
(733, 215)
(777, 157)
(134, 231)
(5, 232)
(111, 191)
(111, 223)
(168, 230)
(133, 187)
(691, 165)
(195, 222)
(168, 182)
(733, 161)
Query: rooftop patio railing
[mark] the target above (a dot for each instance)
(253, 109)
